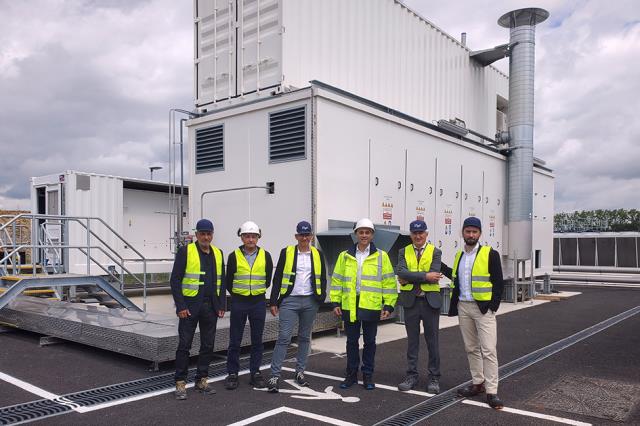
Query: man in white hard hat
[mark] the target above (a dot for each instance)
(198, 293)
(363, 291)
(299, 287)
(249, 270)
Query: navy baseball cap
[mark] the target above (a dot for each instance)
(204, 225)
(472, 221)
(303, 228)
(418, 226)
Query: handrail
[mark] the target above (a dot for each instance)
(62, 220)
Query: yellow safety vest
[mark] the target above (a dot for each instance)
(250, 281)
(191, 282)
(378, 285)
(423, 266)
(289, 273)
(481, 286)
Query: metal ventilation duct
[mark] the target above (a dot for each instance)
(522, 24)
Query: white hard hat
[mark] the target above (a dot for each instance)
(249, 228)
(364, 223)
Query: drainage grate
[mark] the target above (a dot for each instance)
(36, 410)
(428, 408)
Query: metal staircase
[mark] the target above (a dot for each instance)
(44, 240)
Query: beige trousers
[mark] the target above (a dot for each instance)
(479, 333)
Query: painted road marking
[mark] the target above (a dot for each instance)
(28, 387)
(465, 401)
(305, 392)
(289, 410)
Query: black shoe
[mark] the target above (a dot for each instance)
(471, 390)
(433, 386)
(301, 380)
(367, 382)
(203, 387)
(273, 385)
(257, 381)
(494, 402)
(349, 380)
(408, 383)
(231, 382)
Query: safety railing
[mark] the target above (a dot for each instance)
(50, 250)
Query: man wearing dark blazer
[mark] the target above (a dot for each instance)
(418, 271)
(475, 299)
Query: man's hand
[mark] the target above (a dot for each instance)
(402, 281)
(221, 313)
(433, 277)
(337, 311)
(184, 314)
(274, 310)
(384, 315)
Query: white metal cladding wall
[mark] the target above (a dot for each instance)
(103, 199)
(543, 212)
(246, 163)
(465, 181)
(382, 51)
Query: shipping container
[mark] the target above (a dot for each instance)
(141, 213)
(378, 49)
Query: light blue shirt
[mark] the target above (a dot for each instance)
(465, 267)
(251, 258)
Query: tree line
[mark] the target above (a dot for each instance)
(617, 220)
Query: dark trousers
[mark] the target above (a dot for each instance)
(369, 331)
(207, 319)
(240, 311)
(422, 312)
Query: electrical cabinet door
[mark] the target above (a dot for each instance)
(386, 183)
(472, 187)
(447, 227)
(421, 188)
(493, 208)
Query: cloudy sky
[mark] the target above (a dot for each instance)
(88, 84)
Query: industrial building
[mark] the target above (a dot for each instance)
(385, 116)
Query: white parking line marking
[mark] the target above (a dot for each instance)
(466, 401)
(28, 387)
(529, 414)
(387, 387)
(289, 410)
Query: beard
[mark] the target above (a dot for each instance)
(470, 241)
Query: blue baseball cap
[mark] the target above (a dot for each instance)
(304, 228)
(472, 221)
(204, 225)
(418, 226)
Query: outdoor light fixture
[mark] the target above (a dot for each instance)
(455, 125)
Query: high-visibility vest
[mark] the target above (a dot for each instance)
(423, 266)
(378, 285)
(481, 286)
(289, 273)
(193, 275)
(250, 280)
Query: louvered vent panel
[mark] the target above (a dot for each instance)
(287, 134)
(210, 149)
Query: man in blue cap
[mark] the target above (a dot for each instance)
(475, 298)
(299, 287)
(418, 271)
(198, 293)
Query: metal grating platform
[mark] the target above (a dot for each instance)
(142, 335)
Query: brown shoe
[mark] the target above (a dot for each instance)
(203, 387)
(181, 390)
(471, 390)
(494, 402)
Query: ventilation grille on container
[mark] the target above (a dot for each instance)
(287, 134)
(210, 149)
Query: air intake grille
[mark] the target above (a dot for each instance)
(287, 135)
(210, 149)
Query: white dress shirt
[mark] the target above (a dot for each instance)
(302, 284)
(466, 266)
(360, 257)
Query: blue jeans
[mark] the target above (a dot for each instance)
(369, 331)
(301, 309)
(240, 311)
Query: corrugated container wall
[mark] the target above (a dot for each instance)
(377, 49)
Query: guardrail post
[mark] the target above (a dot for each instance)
(144, 285)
